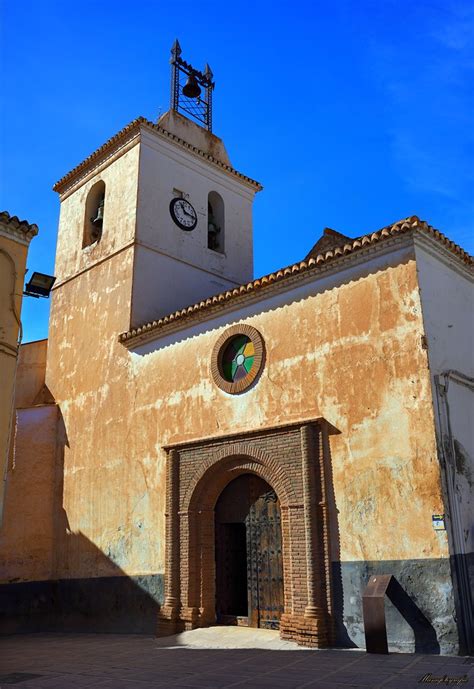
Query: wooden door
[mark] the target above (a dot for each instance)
(249, 567)
(264, 560)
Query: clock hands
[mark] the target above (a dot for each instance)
(183, 214)
(183, 208)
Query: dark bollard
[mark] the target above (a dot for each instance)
(373, 607)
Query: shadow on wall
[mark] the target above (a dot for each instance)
(36, 530)
(117, 603)
(107, 600)
(424, 633)
(409, 629)
(342, 638)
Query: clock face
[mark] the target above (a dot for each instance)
(183, 214)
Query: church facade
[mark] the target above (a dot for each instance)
(194, 446)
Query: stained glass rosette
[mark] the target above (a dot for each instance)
(238, 358)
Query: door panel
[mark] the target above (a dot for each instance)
(265, 566)
(249, 567)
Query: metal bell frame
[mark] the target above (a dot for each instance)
(183, 75)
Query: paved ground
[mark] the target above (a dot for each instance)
(220, 657)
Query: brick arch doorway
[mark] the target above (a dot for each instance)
(294, 460)
(248, 554)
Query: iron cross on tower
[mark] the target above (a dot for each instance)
(191, 90)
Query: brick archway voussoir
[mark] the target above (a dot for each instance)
(237, 456)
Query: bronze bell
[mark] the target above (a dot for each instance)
(212, 228)
(99, 219)
(191, 89)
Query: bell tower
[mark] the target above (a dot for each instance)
(166, 198)
(194, 210)
(155, 220)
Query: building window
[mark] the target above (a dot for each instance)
(215, 222)
(237, 358)
(94, 215)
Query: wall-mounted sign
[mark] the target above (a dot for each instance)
(438, 522)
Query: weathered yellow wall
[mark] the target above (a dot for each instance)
(121, 184)
(86, 486)
(93, 392)
(31, 372)
(12, 272)
(351, 354)
(27, 536)
(36, 535)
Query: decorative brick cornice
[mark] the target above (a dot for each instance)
(135, 126)
(234, 388)
(217, 439)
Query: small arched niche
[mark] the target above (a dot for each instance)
(215, 222)
(94, 214)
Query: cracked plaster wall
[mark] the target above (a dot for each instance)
(352, 354)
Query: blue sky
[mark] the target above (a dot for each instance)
(352, 114)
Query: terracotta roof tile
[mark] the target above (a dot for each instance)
(17, 225)
(135, 126)
(411, 224)
(328, 239)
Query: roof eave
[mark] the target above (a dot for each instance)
(20, 229)
(141, 122)
(356, 249)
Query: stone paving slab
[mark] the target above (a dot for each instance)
(214, 658)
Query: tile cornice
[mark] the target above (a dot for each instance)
(132, 129)
(351, 252)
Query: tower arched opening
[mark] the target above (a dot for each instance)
(94, 214)
(215, 222)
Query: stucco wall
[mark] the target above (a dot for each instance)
(163, 168)
(12, 272)
(352, 354)
(27, 535)
(347, 347)
(31, 372)
(118, 231)
(446, 289)
(194, 134)
(447, 299)
(88, 376)
(174, 285)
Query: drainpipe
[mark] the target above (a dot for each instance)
(448, 455)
